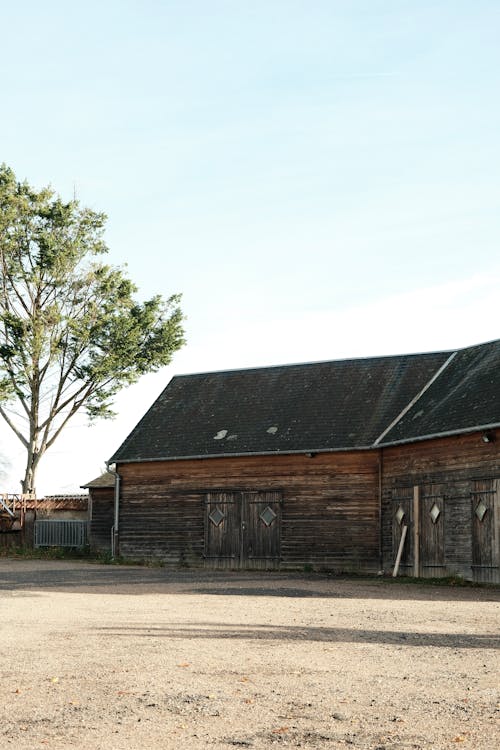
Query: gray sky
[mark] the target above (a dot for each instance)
(319, 179)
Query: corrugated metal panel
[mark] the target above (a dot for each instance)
(61, 533)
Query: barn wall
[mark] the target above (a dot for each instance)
(330, 507)
(101, 517)
(454, 473)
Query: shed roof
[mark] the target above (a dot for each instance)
(107, 479)
(324, 406)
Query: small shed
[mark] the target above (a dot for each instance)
(101, 511)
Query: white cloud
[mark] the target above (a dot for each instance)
(445, 316)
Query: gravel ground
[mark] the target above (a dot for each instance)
(134, 658)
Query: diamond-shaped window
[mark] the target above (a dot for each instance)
(400, 514)
(217, 516)
(435, 513)
(268, 515)
(481, 509)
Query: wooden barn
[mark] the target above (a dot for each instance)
(323, 465)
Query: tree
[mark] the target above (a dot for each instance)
(71, 332)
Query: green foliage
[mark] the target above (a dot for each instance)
(72, 333)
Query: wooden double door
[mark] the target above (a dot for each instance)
(243, 529)
(449, 528)
(424, 548)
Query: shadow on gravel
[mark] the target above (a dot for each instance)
(300, 633)
(35, 576)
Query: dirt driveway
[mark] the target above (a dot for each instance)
(113, 658)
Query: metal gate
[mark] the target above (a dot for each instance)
(61, 533)
(242, 529)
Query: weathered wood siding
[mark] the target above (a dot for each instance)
(329, 507)
(453, 475)
(101, 501)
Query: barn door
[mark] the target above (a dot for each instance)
(422, 510)
(432, 524)
(485, 530)
(242, 529)
(402, 515)
(261, 523)
(222, 528)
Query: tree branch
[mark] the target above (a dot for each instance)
(13, 427)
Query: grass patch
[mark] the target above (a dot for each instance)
(453, 581)
(46, 553)
(105, 558)
(73, 553)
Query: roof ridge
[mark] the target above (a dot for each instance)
(312, 363)
(416, 398)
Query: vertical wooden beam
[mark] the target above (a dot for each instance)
(416, 531)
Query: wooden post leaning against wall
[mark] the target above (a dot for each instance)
(416, 531)
(400, 551)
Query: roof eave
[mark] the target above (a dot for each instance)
(302, 451)
(307, 451)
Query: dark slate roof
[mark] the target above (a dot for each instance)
(104, 480)
(465, 397)
(339, 405)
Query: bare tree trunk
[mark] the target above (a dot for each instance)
(28, 483)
